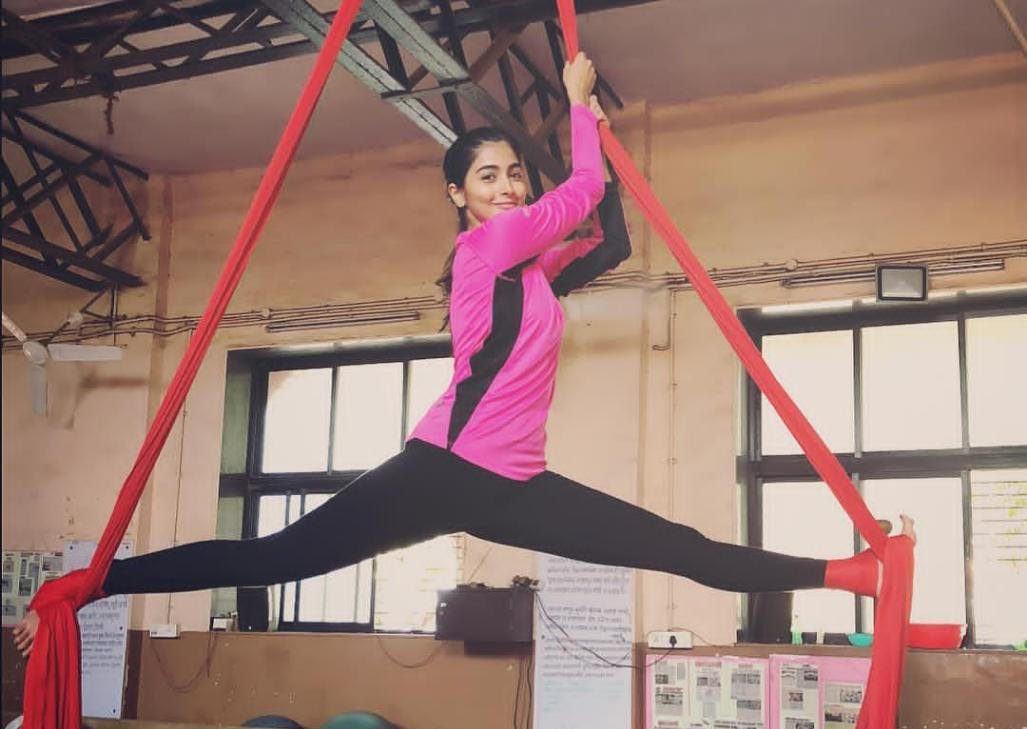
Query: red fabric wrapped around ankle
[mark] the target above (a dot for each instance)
(856, 574)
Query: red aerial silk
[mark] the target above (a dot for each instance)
(53, 679)
(880, 706)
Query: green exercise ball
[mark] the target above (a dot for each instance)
(272, 721)
(357, 720)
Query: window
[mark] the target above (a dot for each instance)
(314, 421)
(926, 407)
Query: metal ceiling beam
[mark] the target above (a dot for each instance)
(449, 71)
(85, 26)
(79, 144)
(238, 44)
(42, 175)
(1014, 27)
(24, 241)
(73, 258)
(308, 21)
(51, 270)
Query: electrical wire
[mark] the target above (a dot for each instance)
(480, 563)
(417, 664)
(531, 693)
(964, 258)
(517, 694)
(201, 672)
(705, 642)
(550, 622)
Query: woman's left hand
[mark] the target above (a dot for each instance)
(593, 104)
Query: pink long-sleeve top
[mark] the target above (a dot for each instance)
(507, 323)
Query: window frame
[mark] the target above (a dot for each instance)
(254, 483)
(754, 469)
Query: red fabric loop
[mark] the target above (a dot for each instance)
(881, 705)
(52, 679)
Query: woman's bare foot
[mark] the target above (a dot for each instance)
(907, 527)
(863, 573)
(25, 633)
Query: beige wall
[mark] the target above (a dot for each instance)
(646, 406)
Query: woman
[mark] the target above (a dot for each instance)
(476, 461)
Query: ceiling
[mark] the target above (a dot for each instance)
(666, 51)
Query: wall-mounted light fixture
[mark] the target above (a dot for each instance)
(902, 283)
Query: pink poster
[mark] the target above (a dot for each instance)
(816, 692)
(731, 692)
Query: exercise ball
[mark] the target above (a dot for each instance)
(357, 720)
(272, 721)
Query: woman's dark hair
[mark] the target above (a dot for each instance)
(455, 166)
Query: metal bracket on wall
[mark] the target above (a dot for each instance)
(76, 252)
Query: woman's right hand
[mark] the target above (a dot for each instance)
(593, 104)
(579, 76)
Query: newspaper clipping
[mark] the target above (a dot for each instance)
(689, 692)
(23, 573)
(800, 696)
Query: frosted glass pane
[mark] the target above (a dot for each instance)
(815, 368)
(312, 599)
(297, 421)
(996, 360)
(289, 603)
(342, 596)
(368, 419)
(270, 515)
(312, 590)
(805, 519)
(348, 594)
(999, 500)
(429, 378)
(936, 504)
(294, 510)
(407, 582)
(911, 387)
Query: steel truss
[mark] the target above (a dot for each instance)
(100, 51)
(77, 256)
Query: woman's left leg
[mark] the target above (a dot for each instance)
(551, 513)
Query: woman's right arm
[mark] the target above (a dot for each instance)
(517, 235)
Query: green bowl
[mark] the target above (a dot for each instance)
(861, 640)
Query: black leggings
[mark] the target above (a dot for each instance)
(425, 492)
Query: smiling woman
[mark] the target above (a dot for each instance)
(485, 175)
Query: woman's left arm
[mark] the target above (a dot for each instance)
(575, 264)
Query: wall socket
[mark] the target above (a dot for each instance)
(669, 639)
(165, 630)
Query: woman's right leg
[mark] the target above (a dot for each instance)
(391, 506)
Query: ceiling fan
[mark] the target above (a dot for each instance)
(38, 354)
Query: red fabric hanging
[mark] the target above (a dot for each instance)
(880, 706)
(52, 683)
(53, 679)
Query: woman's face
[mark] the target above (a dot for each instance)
(494, 183)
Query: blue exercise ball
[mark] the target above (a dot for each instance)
(357, 720)
(272, 721)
